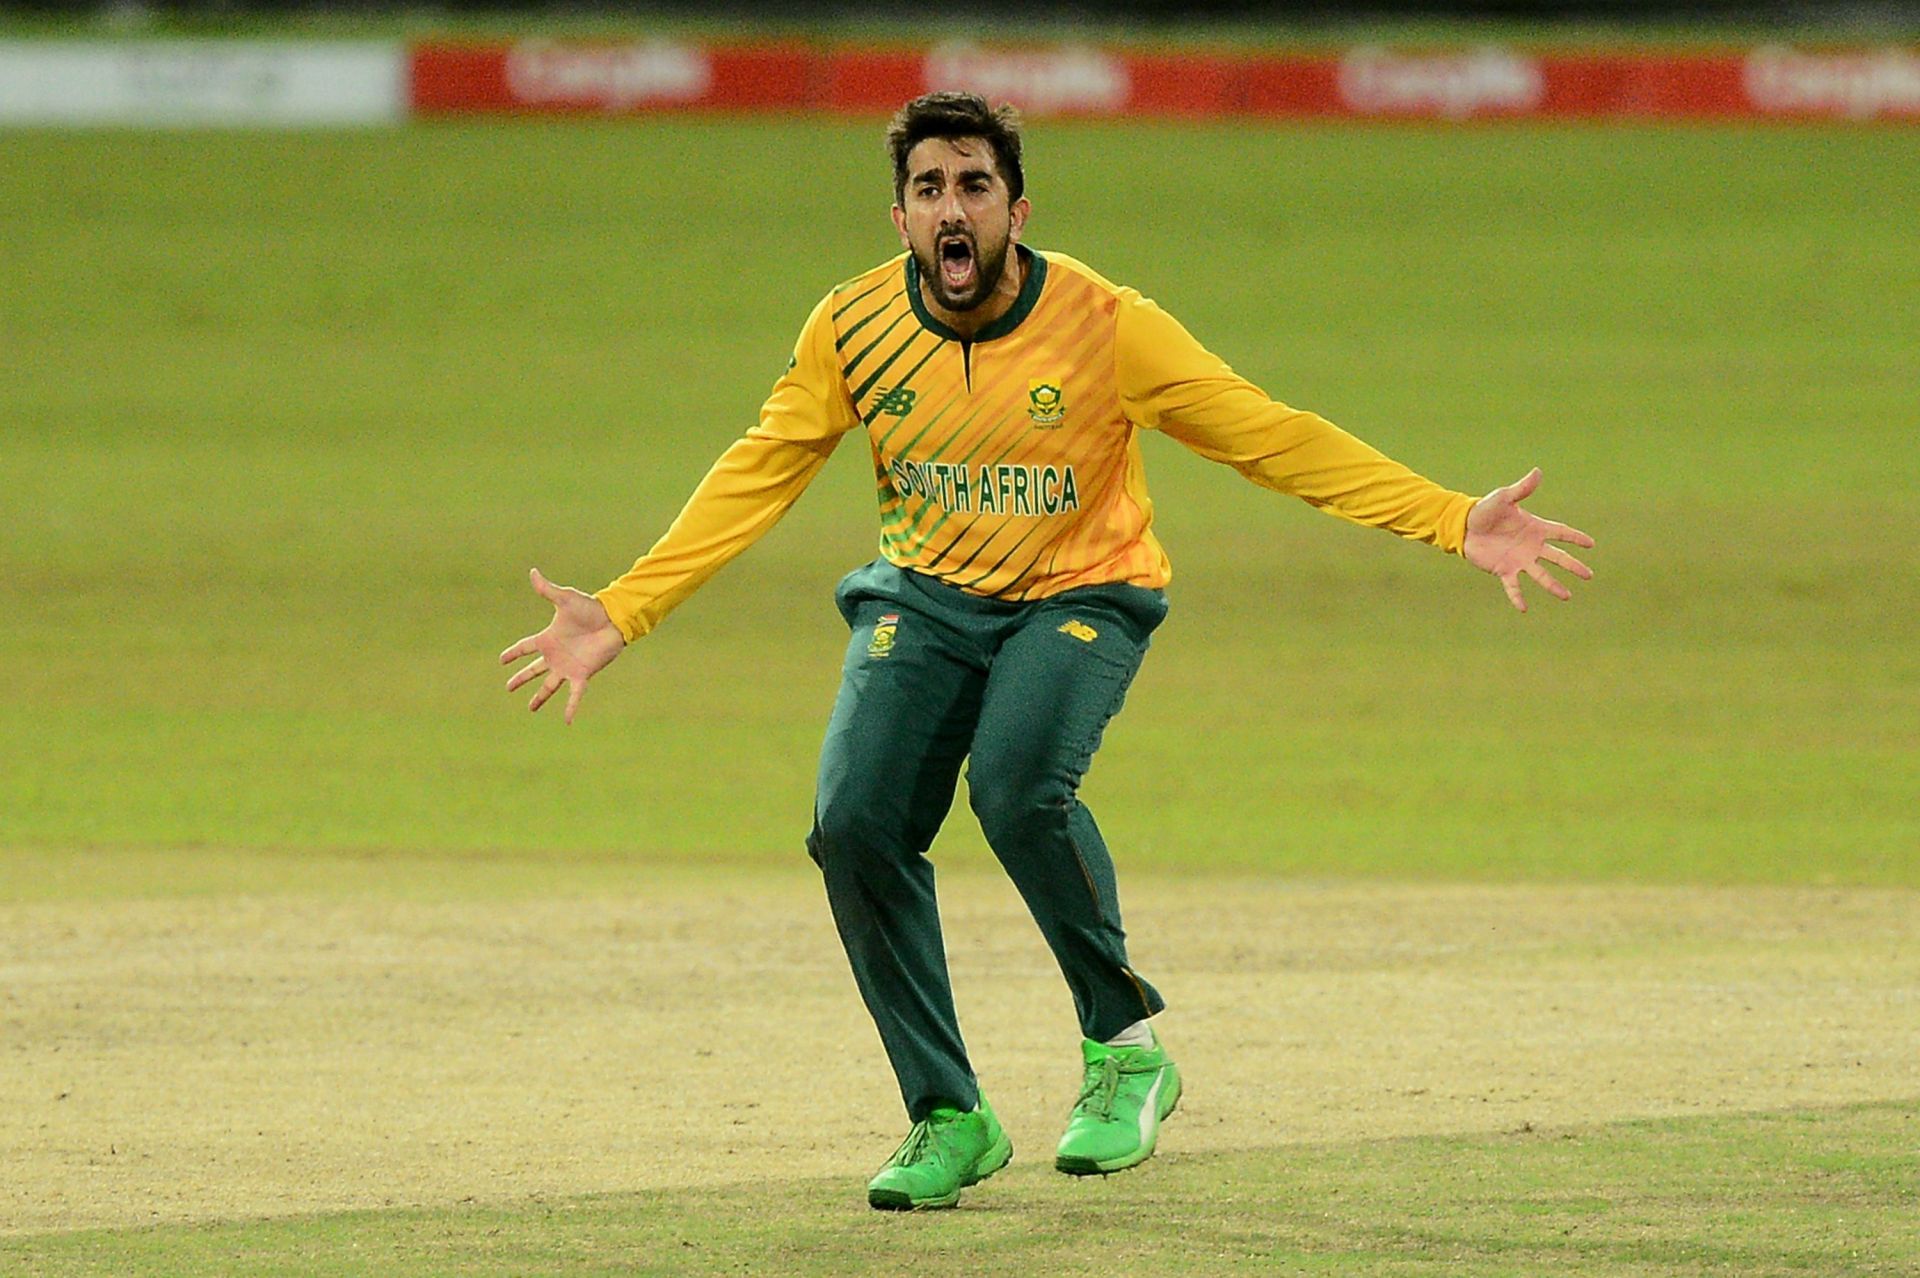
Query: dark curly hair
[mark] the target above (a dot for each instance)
(956, 115)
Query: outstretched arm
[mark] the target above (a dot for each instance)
(577, 644)
(1507, 541)
(1173, 384)
(747, 491)
(752, 485)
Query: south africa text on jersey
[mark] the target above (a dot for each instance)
(989, 490)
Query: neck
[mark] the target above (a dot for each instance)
(1005, 293)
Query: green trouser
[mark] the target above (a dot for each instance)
(933, 675)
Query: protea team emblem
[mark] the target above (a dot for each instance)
(1044, 403)
(881, 645)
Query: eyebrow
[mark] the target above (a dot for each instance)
(965, 175)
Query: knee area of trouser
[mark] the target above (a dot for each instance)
(1011, 805)
(838, 835)
(847, 837)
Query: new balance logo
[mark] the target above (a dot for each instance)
(897, 402)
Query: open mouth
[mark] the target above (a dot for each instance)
(956, 263)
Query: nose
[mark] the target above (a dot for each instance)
(952, 211)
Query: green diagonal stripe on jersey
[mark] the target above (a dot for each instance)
(855, 362)
(855, 301)
(840, 342)
(857, 393)
(880, 372)
(1036, 527)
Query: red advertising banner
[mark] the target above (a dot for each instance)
(569, 78)
(1361, 83)
(1042, 80)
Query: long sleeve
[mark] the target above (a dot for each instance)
(753, 484)
(1171, 383)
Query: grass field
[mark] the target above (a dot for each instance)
(1580, 942)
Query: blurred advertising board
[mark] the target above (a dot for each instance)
(275, 83)
(202, 82)
(1360, 83)
(573, 78)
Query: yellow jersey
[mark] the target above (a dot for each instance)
(1008, 465)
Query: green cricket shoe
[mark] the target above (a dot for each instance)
(944, 1153)
(1116, 1121)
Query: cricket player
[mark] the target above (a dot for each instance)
(1001, 390)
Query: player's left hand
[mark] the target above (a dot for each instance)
(1506, 541)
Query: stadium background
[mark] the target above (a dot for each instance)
(314, 945)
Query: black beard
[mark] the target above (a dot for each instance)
(988, 268)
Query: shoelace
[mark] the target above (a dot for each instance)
(914, 1148)
(1101, 1086)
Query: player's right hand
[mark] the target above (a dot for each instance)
(577, 644)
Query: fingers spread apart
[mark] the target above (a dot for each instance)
(1573, 536)
(1511, 581)
(1548, 582)
(531, 671)
(1554, 555)
(547, 688)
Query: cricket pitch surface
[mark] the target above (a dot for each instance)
(240, 1056)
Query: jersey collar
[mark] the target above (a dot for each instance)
(1022, 305)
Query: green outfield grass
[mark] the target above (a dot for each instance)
(1757, 1196)
(288, 416)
